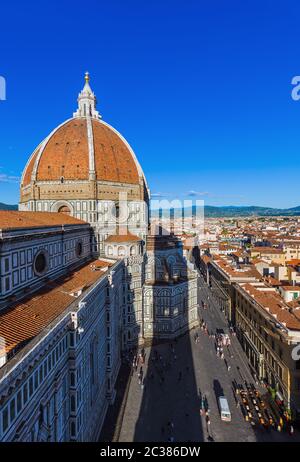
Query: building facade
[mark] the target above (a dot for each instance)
(269, 331)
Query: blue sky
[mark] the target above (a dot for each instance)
(200, 88)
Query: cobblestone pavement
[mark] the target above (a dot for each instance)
(169, 404)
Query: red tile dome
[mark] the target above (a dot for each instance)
(67, 153)
(83, 158)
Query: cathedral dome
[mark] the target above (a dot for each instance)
(83, 148)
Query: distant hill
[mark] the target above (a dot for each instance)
(211, 211)
(8, 206)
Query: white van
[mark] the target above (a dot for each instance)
(224, 409)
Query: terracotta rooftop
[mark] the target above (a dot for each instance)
(266, 250)
(272, 302)
(291, 288)
(245, 272)
(11, 219)
(27, 318)
(273, 281)
(293, 262)
(123, 238)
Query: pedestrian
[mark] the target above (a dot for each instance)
(281, 422)
(171, 425)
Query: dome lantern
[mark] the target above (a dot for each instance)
(87, 101)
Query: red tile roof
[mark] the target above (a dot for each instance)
(274, 304)
(11, 219)
(266, 250)
(27, 318)
(123, 238)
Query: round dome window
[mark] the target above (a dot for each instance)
(40, 264)
(79, 248)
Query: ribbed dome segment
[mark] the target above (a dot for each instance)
(113, 160)
(66, 154)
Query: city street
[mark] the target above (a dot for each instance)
(177, 375)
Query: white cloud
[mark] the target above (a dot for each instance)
(193, 193)
(5, 178)
(159, 195)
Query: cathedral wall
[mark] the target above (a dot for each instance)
(59, 386)
(20, 249)
(133, 318)
(100, 214)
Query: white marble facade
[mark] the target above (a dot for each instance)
(58, 387)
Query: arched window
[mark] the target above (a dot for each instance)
(132, 250)
(64, 209)
(110, 250)
(121, 251)
(116, 211)
(79, 248)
